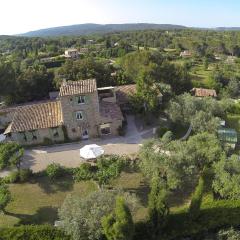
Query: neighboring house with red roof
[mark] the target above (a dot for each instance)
(81, 111)
(203, 92)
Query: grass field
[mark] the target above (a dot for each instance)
(38, 202)
(201, 77)
(233, 121)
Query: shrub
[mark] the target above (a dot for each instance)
(109, 167)
(167, 137)
(234, 108)
(5, 197)
(229, 234)
(13, 177)
(161, 131)
(38, 232)
(25, 174)
(54, 171)
(119, 223)
(10, 154)
(213, 216)
(84, 172)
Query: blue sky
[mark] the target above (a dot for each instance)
(19, 16)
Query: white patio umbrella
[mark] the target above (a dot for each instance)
(91, 151)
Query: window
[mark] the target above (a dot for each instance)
(105, 129)
(81, 100)
(55, 132)
(79, 115)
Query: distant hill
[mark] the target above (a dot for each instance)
(90, 28)
(228, 29)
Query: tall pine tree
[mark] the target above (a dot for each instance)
(119, 225)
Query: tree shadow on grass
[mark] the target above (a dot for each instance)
(220, 214)
(44, 215)
(141, 192)
(180, 197)
(62, 184)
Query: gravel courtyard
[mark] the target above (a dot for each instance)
(68, 154)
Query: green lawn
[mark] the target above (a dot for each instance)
(214, 214)
(134, 183)
(233, 121)
(201, 77)
(38, 202)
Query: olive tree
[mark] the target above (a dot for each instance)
(166, 170)
(178, 162)
(10, 154)
(227, 177)
(203, 114)
(81, 217)
(229, 234)
(202, 150)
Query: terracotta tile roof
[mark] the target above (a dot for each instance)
(78, 87)
(37, 116)
(202, 92)
(110, 111)
(123, 92)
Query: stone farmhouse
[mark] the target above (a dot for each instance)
(71, 53)
(81, 111)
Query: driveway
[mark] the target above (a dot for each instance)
(68, 154)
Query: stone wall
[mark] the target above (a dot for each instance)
(42, 135)
(90, 110)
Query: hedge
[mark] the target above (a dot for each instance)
(32, 232)
(212, 216)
